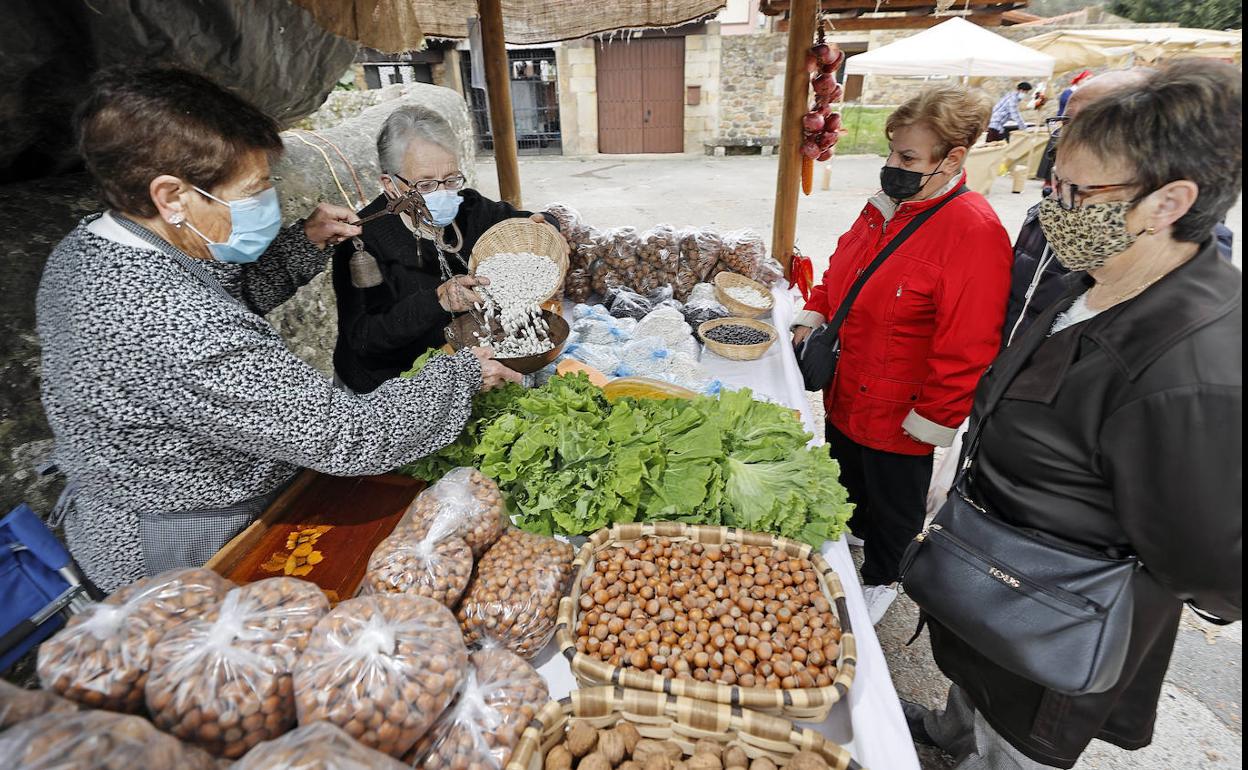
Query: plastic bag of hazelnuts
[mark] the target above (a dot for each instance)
(513, 600)
(465, 503)
(501, 696)
(224, 681)
(436, 564)
(18, 705)
(383, 668)
(102, 656)
(318, 746)
(96, 740)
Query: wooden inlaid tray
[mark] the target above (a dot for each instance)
(322, 529)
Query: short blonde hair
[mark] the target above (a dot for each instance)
(957, 115)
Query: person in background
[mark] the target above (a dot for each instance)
(383, 329)
(178, 411)
(1067, 92)
(1006, 112)
(1037, 274)
(920, 334)
(1122, 432)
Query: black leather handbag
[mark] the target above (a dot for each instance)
(819, 352)
(1045, 609)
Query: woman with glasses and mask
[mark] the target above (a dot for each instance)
(1116, 423)
(384, 326)
(925, 326)
(178, 411)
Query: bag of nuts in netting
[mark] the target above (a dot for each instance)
(700, 249)
(102, 656)
(96, 740)
(318, 746)
(571, 226)
(383, 668)
(224, 681)
(18, 705)
(513, 600)
(745, 253)
(577, 287)
(465, 503)
(501, 696)
(436, 565)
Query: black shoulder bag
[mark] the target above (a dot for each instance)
(819, 352)
(1047, 610)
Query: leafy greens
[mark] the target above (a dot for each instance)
(568, 461)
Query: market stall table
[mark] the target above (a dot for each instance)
(869, 723)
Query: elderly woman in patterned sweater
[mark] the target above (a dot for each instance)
(177, 409)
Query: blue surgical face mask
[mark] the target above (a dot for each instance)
(443, 206)
(254, 223)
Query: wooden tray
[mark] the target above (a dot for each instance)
(334, 522)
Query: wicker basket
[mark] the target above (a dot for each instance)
(737, 352)
(803, 704)
(518, 236)
(725, 281)
(683, 720)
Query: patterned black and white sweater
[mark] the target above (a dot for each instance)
(167, 398)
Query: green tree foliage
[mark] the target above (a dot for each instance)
(1206, 14)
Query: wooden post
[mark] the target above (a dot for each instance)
(796, 103)
(498, 91)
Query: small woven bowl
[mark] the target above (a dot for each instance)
(460, 334)
(737, 352)
(725, 281)
(520, 236)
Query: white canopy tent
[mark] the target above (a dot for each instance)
(955, 47)
(1077, 49)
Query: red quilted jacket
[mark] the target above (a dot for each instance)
(925, 326)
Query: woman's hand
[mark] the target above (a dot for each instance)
(457, 296)
(800, 334)
(327, 225)
(541, 220)
(494, 374)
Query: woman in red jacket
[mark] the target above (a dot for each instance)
(923, 330)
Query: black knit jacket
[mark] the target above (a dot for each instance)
(382, 330)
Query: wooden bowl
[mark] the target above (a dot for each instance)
(459, 334)
(726, 280)
(519, 236)
(737, 352)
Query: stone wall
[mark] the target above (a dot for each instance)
(38, 214)
(751, 86)
(576, 61)
(702, 69)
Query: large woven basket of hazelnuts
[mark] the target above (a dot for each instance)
(612, 728)
(712, 613)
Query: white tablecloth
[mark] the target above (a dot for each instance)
(869, 723)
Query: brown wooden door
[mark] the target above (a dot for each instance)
(641, 87)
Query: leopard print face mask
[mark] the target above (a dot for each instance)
(1088, 237)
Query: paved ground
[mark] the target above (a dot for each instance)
(1200, 714)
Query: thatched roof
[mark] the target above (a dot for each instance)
(402, 25)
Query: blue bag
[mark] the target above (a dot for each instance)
(38, 581)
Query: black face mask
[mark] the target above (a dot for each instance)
(900, 184)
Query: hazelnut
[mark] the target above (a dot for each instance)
(594, 761)
(581, 739)
(735, 756)
(558, 758)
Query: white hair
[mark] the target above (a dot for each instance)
(408, 123)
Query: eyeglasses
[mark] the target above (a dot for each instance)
(426, 186)
(1071, 196)
(1054, 124)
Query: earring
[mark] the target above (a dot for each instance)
(177, 218)
(1151, 231)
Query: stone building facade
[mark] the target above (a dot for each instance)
(751, 86)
